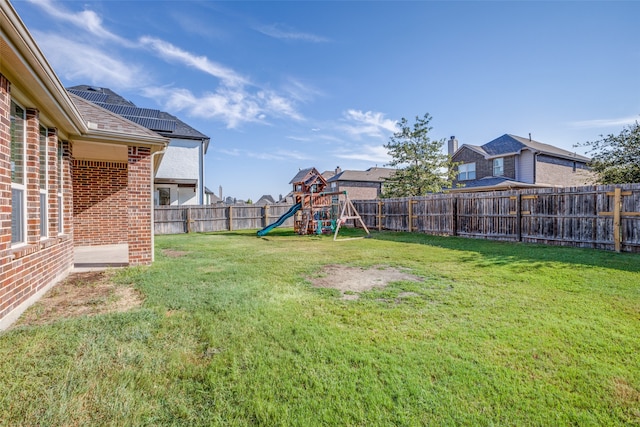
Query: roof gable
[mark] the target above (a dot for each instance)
(105, 120)
(468, 147)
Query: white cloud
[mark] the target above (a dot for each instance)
(286, 33)
(169, 52)
(277, 154)
(81, 62)
(605, 123)
(300, 91)
(233, 106)
(367, 153)
(367, 123)
(87, 20)
(233, 99)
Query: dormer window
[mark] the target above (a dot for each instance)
(498, 167)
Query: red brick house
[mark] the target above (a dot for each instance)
(71, 174)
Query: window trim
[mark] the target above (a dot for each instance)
(21, 238)
(498, 170)
(44, 192)
(60, 167)
(162, 197)
(465, 170)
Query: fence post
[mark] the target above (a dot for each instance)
(410, 212)
(454, 216)
(188, 220)
(265, 216)
(230, 218)
(379, 215)
(519, 217)
(617, 230)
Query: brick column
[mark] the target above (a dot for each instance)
(52, 181)
(66, 210)
(139, 206)
(5, 167)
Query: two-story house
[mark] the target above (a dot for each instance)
(180, 178)
(511, 161)
(359, 185)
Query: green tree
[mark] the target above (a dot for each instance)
(421, 165)
(616, 158)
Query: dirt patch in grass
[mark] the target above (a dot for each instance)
(170, 253)
(351, 281)
(82, 294)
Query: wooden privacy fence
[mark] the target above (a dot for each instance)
(603, 217)
(192, 219)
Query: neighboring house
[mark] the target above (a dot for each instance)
(359, 185)
(210, 198)
(266, 199)
(180, 178)
(514, 162)
(72, 174)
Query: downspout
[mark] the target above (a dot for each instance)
(201, 173)
(153, 216)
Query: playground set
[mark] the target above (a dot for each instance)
(317, 211)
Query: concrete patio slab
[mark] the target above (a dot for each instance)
(92, 258)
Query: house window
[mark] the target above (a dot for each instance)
(498, 167)
(466, 171)
(164, 196)
(44, 135)
(60, 185)
(18, 155)
(334, 185)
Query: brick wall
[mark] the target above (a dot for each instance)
(99, 203)
(32, 267)
(360, 190)
(554, 171)
(483, 166)
(139, 206)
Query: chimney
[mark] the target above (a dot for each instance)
(453, 145)
(529, 136)
(338, 170)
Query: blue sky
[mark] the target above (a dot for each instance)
(280, 86)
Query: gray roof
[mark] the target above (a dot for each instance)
(106, 120)
(370, 175)
(493, 183)
(159, 121)
(511, 144)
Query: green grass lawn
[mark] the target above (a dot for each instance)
(232, 332)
